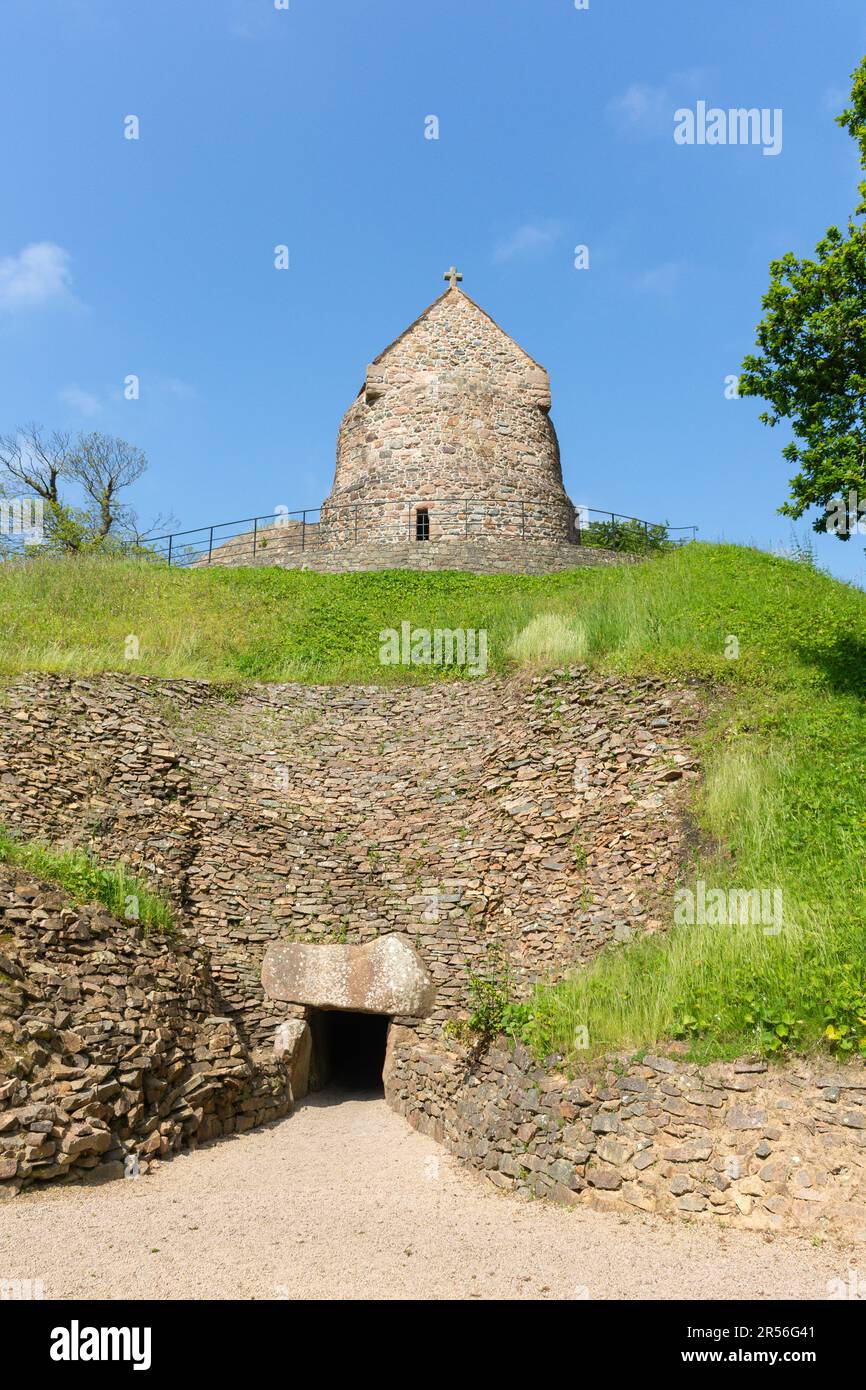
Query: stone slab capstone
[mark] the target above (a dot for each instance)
(385, 976)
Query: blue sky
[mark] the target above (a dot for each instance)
(306, 127)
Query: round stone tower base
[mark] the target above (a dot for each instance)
(475, 557)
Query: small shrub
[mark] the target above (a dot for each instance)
(494, 1010)
(634, 537)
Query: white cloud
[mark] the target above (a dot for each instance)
(661, 279)
(641, 107)
(181, 390)
(37, 275)
(532, 239)
(837, 99)
(82, 401)
(645, 109)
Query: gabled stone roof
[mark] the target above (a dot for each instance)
(451, 291)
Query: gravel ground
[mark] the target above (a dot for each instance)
(344, 1200)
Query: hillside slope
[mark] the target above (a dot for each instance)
(674, 612)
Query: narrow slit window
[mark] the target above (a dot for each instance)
(422, 524)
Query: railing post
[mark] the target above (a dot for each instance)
(210, 546)
(356, 521)
(255, 535)
(170, 539)
(303, 529)
(522, 520)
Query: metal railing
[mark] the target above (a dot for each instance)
(251, 538)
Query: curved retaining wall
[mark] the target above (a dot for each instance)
(113, 1046)
(541, 815)
(738, 1144)
(513, 556)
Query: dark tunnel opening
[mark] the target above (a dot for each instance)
(349, 1050)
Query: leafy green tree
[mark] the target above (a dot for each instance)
(811, 363)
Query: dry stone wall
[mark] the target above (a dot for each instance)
(731, 1144)
(540, 816)
(493, 556)
(113, 1050)
(544, 816)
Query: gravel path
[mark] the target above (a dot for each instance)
(344, 1200)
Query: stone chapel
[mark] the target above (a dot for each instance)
(450, 438)
(446, 459)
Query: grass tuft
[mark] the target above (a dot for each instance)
(85, 881)
(550, 639)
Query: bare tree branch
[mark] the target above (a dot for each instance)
(159, 526)
(36, 460)
(103, 465)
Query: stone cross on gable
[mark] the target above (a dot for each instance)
(454, 276)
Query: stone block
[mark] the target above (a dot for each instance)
(384, 976)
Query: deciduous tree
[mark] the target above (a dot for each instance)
(35, 463)
(810, 366)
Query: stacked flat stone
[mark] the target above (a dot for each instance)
(537, 816)
(729, 1144)
(114, 1050)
